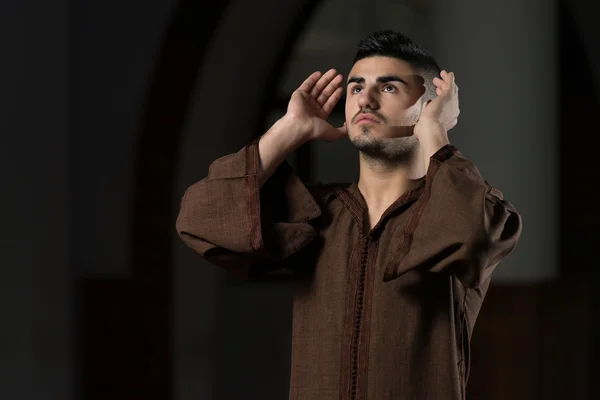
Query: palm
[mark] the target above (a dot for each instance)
(313, 101)
(302, 104)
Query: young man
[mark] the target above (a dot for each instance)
(391, 270)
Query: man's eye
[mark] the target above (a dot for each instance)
(389, 88)
(355, 89)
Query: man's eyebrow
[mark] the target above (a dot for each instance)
(356, 79)
(391, 78)
(381, 79)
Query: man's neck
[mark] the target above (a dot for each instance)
(382, 182)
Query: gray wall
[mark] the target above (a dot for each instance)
(505, 55)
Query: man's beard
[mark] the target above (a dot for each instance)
(397, 149)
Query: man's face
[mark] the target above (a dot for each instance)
(383, 103)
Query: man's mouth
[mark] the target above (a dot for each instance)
(366, 119)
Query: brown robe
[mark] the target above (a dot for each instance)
(386, 315)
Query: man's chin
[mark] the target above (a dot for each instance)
(373, 132)
(386, 148)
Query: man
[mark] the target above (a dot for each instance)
(391, 270)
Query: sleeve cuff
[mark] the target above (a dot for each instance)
(444, 153)
(237, 165)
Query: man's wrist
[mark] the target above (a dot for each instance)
(432, 137)
(301, 130)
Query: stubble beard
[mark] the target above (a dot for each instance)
(384, 151)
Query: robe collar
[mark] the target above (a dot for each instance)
(354, 202)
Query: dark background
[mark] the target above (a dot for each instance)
(109, 110)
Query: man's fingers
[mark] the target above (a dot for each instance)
(441, 83)
(332, 100)
(454, 82)
(308, 84)
(443, 76)
(330, 89)
(323, 82)
(447, 81)
(438, 82)
(451, 80)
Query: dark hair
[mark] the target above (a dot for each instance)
(390, 43)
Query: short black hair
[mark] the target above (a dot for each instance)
(388, 43)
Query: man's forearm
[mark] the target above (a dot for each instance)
(432, 140)
(283, 138)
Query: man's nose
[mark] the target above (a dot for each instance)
(367, 99)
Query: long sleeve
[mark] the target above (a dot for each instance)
(461, 224)
(227, 219)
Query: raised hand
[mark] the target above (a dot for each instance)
(438, 116)
(312, 103)
(442, 111)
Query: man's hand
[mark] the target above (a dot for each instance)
(312, 103)
(439, 115)
(306, 119)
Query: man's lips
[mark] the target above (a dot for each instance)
(366, 118)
